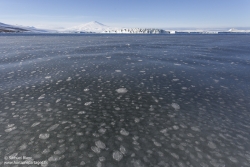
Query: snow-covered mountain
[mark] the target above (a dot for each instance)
(11, 28)
(96, 27)
(91, 27)
(18, 28)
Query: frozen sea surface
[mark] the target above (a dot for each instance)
(125, 100)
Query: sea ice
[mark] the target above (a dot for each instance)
(54, 158)
(175, 106)
(137, 120)
(123, 149)
(41, 97)
(100, 144)
(195, 129)
(87, 103)
(69, 79)
(47, 77)
(10, 129)
(102, 130)
(58, 100)
(101, 159)
(81, 112)
(121, 90)
(53, 127)
(117, 155)
(211, 145)
(95, 149)
(23, 146)
(44, 136)
(35, 124)
(124, 132)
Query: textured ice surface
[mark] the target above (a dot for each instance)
(94, 100)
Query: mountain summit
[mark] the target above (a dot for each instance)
(96, 23)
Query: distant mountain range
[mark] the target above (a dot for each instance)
(96, 27)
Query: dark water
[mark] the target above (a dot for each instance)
(125, 100)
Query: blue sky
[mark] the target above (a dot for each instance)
(127, 13)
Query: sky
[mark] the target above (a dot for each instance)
(56, 14)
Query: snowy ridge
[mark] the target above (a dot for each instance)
(19, 28)
(91, 27)
(10, 28)
(37, 30)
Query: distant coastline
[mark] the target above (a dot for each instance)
(99, 28)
